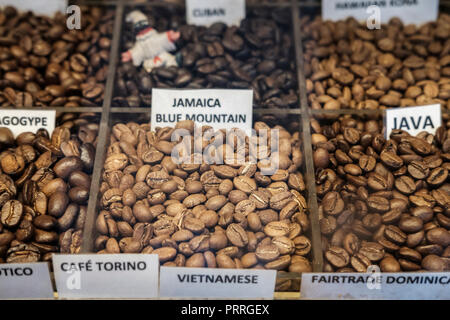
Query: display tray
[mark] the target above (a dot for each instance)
(288, 284)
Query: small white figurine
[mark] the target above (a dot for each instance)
(151, 48)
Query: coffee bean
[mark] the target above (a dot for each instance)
(395, 234)
(165, 253)
(405, 185)
(245, 207)
(434, 263)
(224, 261)
(437, 176)
(23, 253)
(333, 203)
(411, 224)
(280, 200)
(418, 170)
(390, 264)
(378, 204)
(194, 200)
(46, 61)
(216, 203)
(260, 199)
(284, 244)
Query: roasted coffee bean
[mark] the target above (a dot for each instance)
(395, 234)
(379, 204)
(405, 185)
(360, 262)
(224, 261)
(437, 176)
(351, 243)
(435, 263)
(276, 229)
(284, 244)
(45, 222)
(333, 203)
(302, 245)
(69, 216)
(11, 213)
(236, 196)
(338, 257)
(373, 251)
(46, 212)
(244, 184)
(165, 253)
(394, 86)
(57, 204)
(267, 252)
(418, 170)
(237, 235)
(300, 266)
(23, 253)
(218, 56)
(390, 264)
(328, 225)
(66, 166)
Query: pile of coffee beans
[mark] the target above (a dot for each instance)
(204, 215)
(349, 66)
(258, 55)
(44, 189)
(382, 202)
(42, 63)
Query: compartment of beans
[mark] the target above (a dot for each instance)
(226, 215)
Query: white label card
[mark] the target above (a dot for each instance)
(207, 12)
(45, 7)
(414, 119)
(216, 283)
(218, 108)
(106, 275)
(409, 11)
(376, 286)
(19, 121)
(25, 281)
